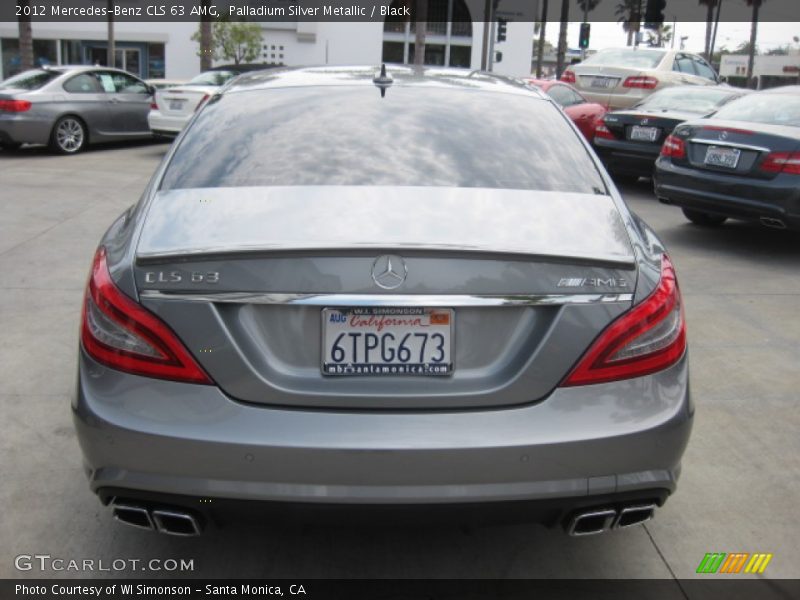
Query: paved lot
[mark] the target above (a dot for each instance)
(741, 476)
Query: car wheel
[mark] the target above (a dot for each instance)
(704, 219)
(69, 135)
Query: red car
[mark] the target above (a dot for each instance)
(583, 113)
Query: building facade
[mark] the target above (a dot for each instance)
(768, 71)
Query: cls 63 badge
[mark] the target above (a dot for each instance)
(179, 277)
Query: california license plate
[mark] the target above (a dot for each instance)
(722, 157)
(603, 82)
(382, 341)
(176, 104)
(644, 134)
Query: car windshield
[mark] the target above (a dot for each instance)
(638, 59)
(700, 100)
(775, 109)
(29, 80)
(350, 135)
(215, 78)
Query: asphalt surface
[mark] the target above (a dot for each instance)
(741, 473)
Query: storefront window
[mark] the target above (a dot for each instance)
(157, 63)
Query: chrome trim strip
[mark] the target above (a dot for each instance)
(730, 145)
(431, 300)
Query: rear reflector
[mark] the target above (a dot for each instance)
(122, 334)
(782, 162)
(568, 77)
(673, 147)
(648, 338)
(15, 105)
(640, 82)
(602, 131)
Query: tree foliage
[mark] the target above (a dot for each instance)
(234, 41)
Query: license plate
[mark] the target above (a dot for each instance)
(176, 104)
(603, 82)
(382, 341)
(644, 134)
(722, 157)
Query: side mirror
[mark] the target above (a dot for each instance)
(151, 90)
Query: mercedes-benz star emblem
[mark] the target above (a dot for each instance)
(389, 271)
(723, 136)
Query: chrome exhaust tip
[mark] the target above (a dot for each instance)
(634, 515)
(135, 516)
(173, 522)
(772, 222)
(591, 522)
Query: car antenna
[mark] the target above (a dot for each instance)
(383, 80)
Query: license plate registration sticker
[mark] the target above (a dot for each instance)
(387, 341)
(722, 157)
(644, 134)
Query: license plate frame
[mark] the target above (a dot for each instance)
(405, 327)
(602, 82)
(722, 157)
(176, 104)
(644, 134)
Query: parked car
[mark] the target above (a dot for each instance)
(584, 114)
(356, 288)
(742, 163)
(69, 107)
(621, 77)
(629, 141)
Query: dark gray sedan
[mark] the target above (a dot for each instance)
(69, 107)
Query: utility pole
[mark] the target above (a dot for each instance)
(540, 49)
(487, 19)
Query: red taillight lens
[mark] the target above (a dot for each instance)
(648, 338)
(673, 147)
(202, 101)
(153, 105)
(123, 335)
(782, 162)
(15, 105)
(640, 82)
(602, 131)
(568, 77)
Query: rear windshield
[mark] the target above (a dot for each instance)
(213, 78)
(29, 80)
(700, 100)
(637, 59)
(350, 135)
(777, 109)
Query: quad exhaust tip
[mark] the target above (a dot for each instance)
(169, 521)
(597, 521)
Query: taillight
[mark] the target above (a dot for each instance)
(641, 82)
(15, 105)
(122, 334)
(568, 76)
(602, 131)
(648, 338)
(673, 147)
(202, 101)
(153, 105)
(782, 162)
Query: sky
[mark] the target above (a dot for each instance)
(730, 34)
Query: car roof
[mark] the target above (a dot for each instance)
(396, 75)
(785, 89)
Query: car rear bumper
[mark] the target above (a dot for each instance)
(734, 197)
(627, 158)
(164, 125)
(168, 438)
(24, 129)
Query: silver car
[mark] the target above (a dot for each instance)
(70, 107)
(395, 289)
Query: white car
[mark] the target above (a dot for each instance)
(621, 77)
(172, 107)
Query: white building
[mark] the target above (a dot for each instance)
(770, 71)
(165, 49)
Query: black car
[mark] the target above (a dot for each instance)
(628, 141)
(744, 163)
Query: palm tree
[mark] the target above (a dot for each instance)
(756, 4)
(562, 38)
(629, 13)
(709, 4)
(25, 35)
(419, 36)
(540, 49)
(660, 37)
(206, 43)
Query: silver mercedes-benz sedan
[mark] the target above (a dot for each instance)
(388, 290)
(70, 107)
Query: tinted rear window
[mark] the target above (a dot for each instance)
(29, 80)
(698, 99)
(414, 136)
(777, 109)
(637, 59)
